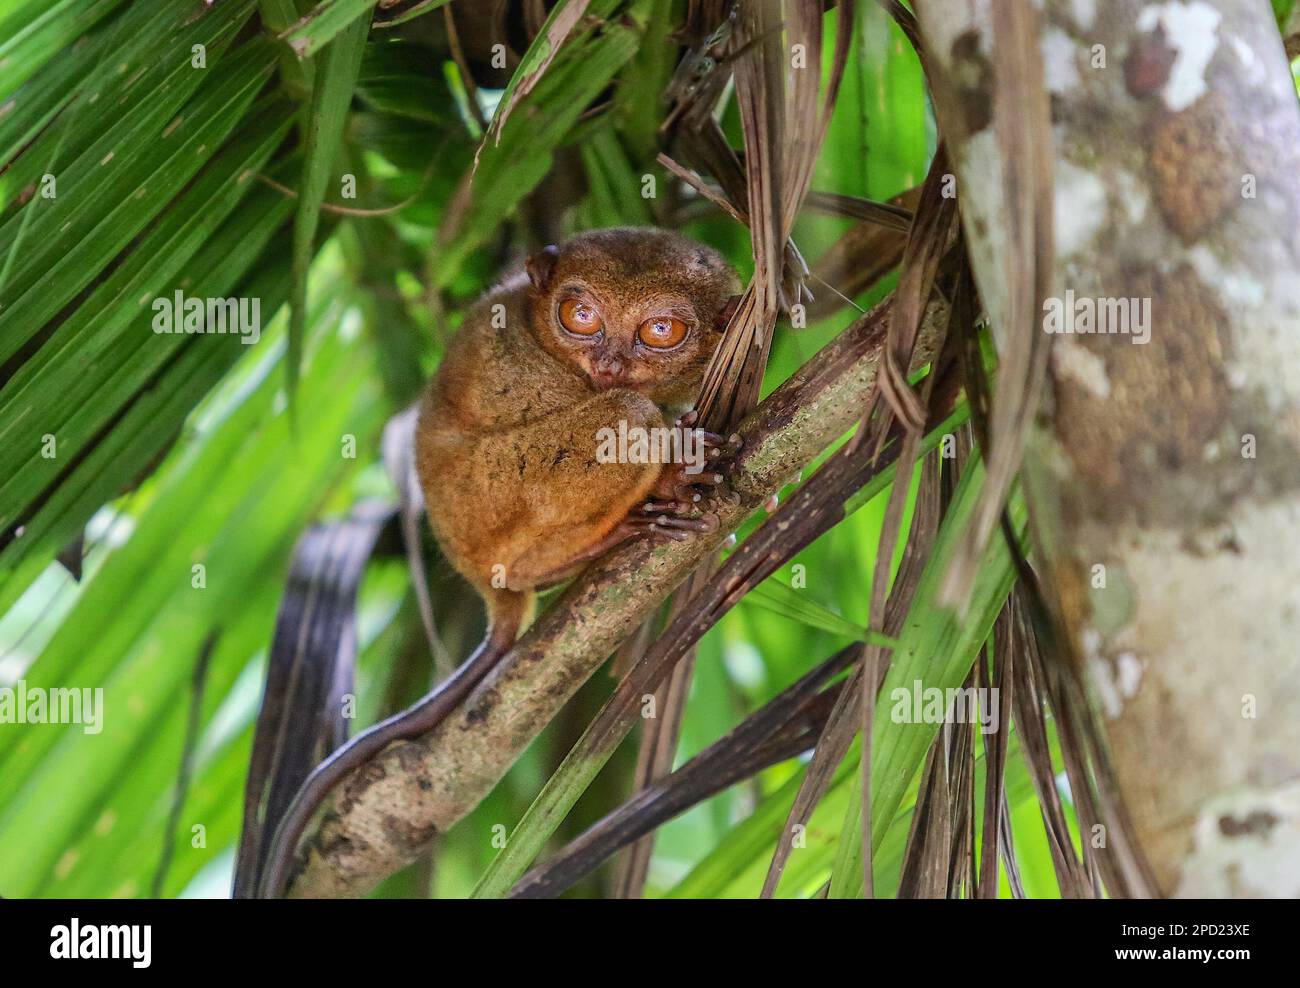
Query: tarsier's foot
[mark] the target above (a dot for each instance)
(676, 505)
(646, 520)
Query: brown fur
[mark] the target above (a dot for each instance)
(507, 440)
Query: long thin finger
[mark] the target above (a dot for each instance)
(665, 507)
(684, 524)
(707, 478)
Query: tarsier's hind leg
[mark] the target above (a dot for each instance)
(507, 613)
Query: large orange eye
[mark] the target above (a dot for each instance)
(662, 332)
(579, 317)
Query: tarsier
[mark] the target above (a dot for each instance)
(612, 327)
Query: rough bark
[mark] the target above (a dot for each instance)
(1174, 464)
(389, 811)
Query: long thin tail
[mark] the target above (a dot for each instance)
(310, 669)
(505, 613)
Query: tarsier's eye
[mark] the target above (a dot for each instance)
(662, 332)
(579, 317)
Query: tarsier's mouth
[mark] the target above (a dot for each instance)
(604, 382)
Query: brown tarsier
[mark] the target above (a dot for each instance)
(610, 331)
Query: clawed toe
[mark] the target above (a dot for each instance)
(675, 522)
(666, 518)
(704, 523)
(716, 445)
(710, 478)
(660, 507)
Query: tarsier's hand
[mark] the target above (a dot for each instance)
(678, 503)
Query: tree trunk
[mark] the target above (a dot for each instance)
(1164, 469)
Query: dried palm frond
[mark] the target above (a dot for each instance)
(783, 134)
(775, 185)
(1022, 127)
(784, 727)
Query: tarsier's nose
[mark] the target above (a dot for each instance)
(607, 370)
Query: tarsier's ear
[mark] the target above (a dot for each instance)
(541, 266)
(726, 312)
